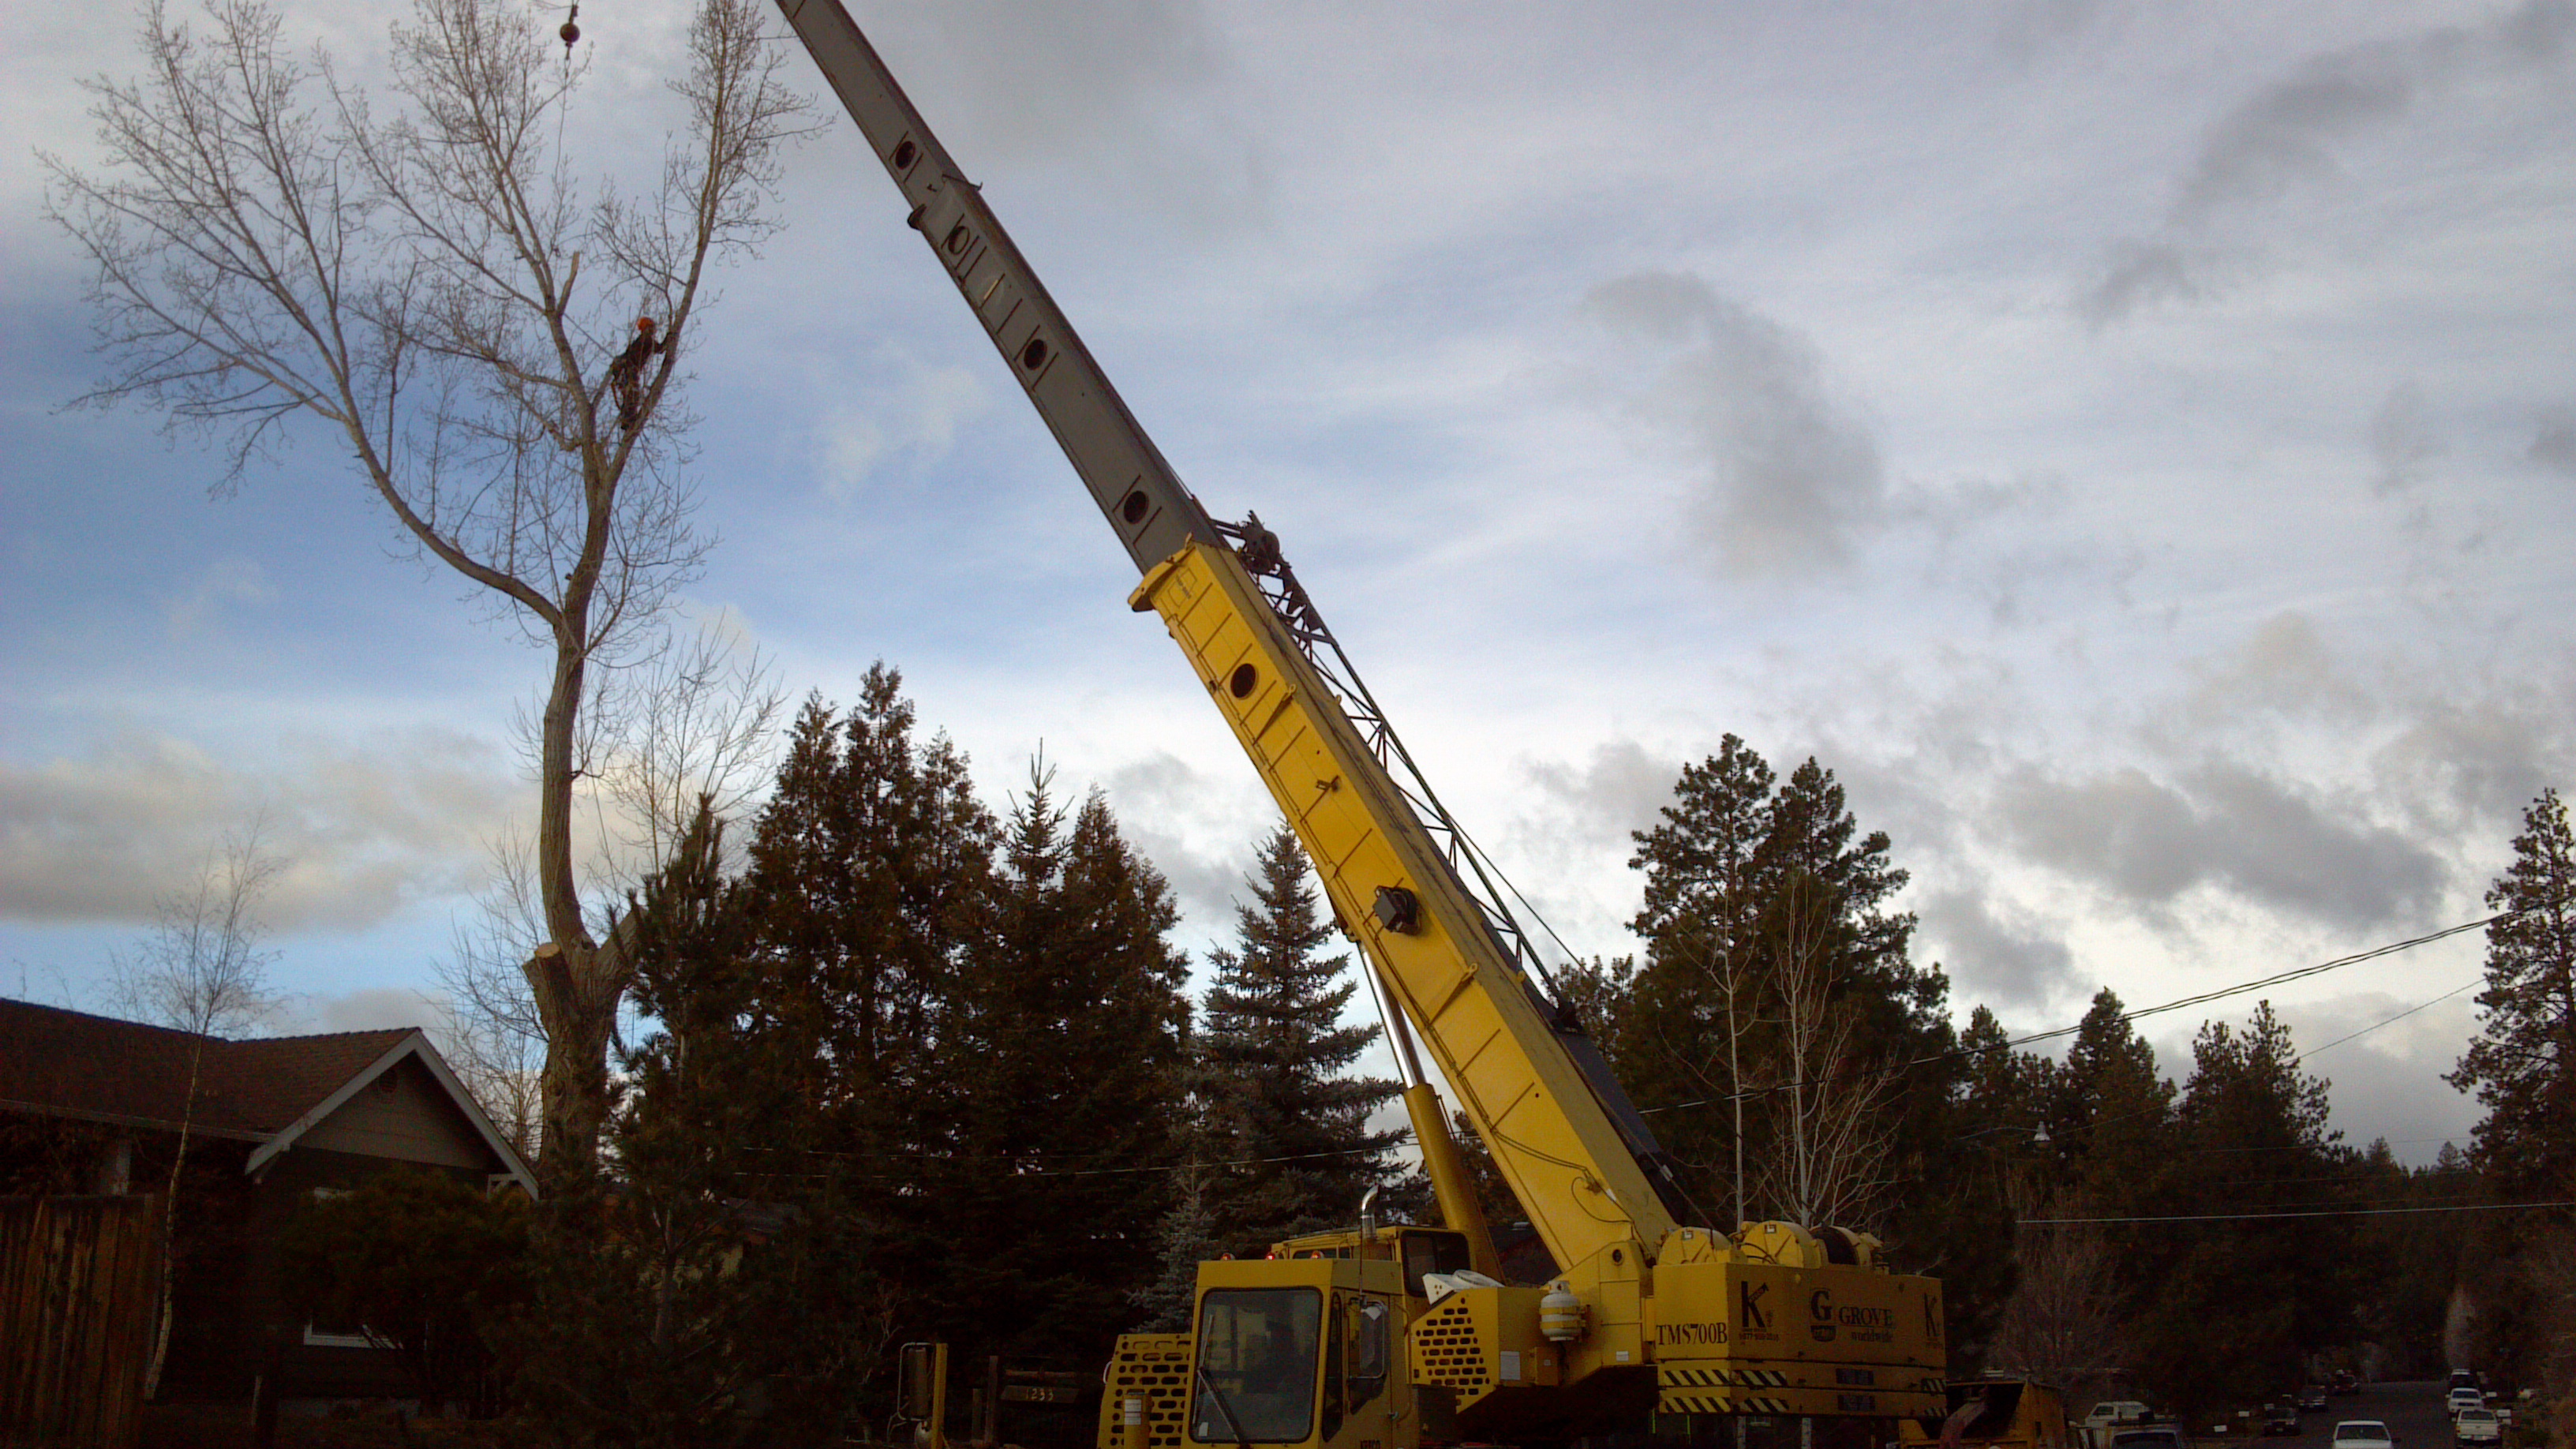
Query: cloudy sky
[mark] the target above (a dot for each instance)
(2133, 446)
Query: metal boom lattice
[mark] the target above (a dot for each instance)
(1477, 875)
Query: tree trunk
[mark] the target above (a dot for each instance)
(577, 981)
(579, 1009)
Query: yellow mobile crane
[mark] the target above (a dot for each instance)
(1391, 1337)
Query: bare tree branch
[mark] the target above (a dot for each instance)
(266, 248)
(202, 970)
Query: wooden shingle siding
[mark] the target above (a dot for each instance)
(414, 1122)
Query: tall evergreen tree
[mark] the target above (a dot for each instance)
(1777, 988)
(2109, 1115)
(1291, 1128)
(2232, 1315)
(662, 1287)
(2522, 1064)
(870, 881)
(1069, 1042)
(1798, 1063)
(993, 1024)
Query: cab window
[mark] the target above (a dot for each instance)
(1257, 1348)
(1432, 1253)
(1368, 1354)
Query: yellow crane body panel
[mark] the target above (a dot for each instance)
(1736, 1337)
(1552, 1142)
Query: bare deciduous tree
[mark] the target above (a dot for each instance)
(2060, 1325)
(267, 247)
(695, 720)
(696, 723)
(1835, 1137)
(201, 971)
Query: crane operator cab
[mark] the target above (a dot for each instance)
(1297, 1351)
(1304, 1347)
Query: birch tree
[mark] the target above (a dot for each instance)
(202, 971)
(419, 275)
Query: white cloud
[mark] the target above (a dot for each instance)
(2146, 841)
(1995, 953)
(363, 828)
(2404, 438)
(1202, 833)
(2553, 443)
(2291, 135)
(1793, 481)
(908, 410)
(369, 1008)
(221, 585)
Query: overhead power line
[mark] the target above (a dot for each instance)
(2401, 1016)
(2302, 973)
(2199, 999)
(2487, 1207)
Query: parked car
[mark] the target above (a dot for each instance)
(2476, 1429)
(2312, 1399)
(2464, 1379)
(2154, 1436)
(2280, 1421)
(2116, 1411)
(2345, 1381)
(2461, 1399)
(2363, 1434)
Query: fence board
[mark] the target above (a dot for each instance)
(80, 1278)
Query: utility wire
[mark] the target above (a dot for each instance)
(2301, 973)
(2199, 999)
(2490, 1207)
(2401, 1016)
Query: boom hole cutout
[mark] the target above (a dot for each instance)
(1245, 678)
(905, 155)
(1034, 355)
(1133, 507)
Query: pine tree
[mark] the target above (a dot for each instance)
(2233, 1315)
(1071, 1036)
(1293, 1130)
(2110, 1116)
(664, 1290)
(868, 896)
(2522, 1064)
(1184, 1238)
(1777, 989)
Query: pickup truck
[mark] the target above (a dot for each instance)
(2476, 1429)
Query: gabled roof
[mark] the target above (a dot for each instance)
(269, 1090)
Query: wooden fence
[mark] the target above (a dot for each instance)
(79, 1283)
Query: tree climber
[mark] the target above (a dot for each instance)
(626, 374)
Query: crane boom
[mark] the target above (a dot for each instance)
(1647, 1320)
(1137, 491)
(1562, 1132)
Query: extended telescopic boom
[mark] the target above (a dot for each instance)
(1646, 1321)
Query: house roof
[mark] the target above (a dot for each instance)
(69, 1063)
(269, 1090)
